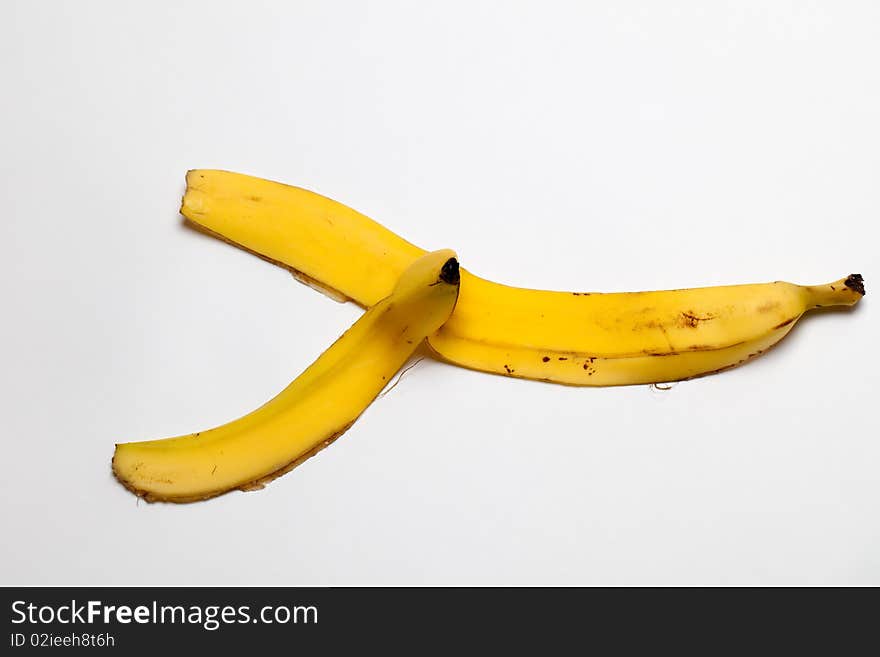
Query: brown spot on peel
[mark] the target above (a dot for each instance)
(693, 320)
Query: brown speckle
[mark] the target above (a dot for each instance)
(509, 369)
(563, 358)
(546, 359)
(692, 320)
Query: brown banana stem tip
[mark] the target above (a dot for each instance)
(449, 273)
(856, 283)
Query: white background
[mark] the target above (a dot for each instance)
(588, 146)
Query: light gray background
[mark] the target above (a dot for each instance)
(604, 146)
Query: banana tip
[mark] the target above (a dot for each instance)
(856, 283)
(449, 273)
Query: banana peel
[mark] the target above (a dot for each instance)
(413, 296)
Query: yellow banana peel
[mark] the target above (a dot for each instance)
(314, 410)
(574, 338)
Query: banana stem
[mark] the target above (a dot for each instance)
(844, 292)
